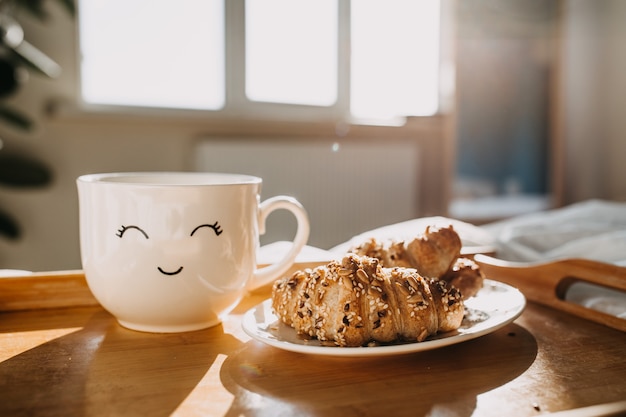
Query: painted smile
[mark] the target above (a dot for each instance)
(169, 273)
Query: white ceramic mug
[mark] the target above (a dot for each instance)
(172, 252)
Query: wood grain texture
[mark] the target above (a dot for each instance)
(546, 283)
(45, 290)
(79, 361)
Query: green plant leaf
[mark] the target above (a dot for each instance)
(16, 118)
(36, 7)
(18, 171)
(69, 5)
(9, 226)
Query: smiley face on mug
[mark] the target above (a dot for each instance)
(215, 229)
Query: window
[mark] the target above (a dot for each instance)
(143, 53)
(291, 60)
(363, 59)
(395, 58)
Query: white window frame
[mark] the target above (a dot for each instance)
(239, 107)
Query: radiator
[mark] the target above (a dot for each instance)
(346, 187)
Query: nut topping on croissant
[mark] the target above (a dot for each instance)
(434, 254)
(466, 276)
(356, 301)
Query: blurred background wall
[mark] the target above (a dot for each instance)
(540, 110)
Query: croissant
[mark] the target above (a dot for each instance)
(434, 254)
(466, 276)
(431, 253)
(356, 301)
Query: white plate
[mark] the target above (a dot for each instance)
(496, 305)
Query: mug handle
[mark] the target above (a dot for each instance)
(267, 274)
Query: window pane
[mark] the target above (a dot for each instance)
(395, 58)
(153, 53)
(291, 51)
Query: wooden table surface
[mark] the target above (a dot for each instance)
(79, 361)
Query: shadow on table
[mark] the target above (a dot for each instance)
(447, 380)
(105, 369)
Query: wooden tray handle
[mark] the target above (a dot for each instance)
(547, 283)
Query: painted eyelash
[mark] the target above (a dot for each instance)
(123, 229)
(215, 226)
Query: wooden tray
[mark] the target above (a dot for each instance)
(59, 361)
(547, 283)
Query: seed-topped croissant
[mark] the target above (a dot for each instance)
(432, 253)
(435, 254)
(356, 301)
